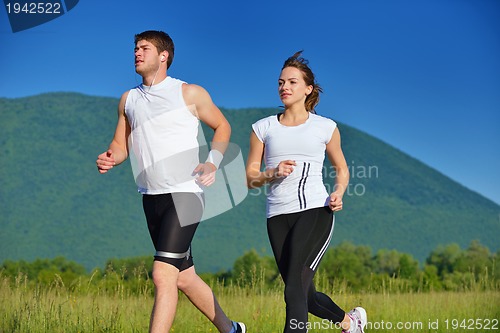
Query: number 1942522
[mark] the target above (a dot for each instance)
(471, 324)
(33, 8)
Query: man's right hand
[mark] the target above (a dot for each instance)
(105, 161)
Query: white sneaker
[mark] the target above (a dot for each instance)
(358, 320)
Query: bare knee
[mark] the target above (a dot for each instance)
(158, 278)
(164, 275)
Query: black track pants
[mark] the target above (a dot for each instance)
(299, 241)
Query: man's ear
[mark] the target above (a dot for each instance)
(164, 56)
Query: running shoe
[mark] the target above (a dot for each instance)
(359, 320)
(239, 327)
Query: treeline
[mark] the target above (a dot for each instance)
(356, 268)
(347, 266)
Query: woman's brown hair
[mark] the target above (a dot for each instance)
(302, 64)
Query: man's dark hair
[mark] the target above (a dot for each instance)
(160, 40)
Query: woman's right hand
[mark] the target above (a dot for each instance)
(284, 168)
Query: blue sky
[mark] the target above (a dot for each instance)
(423, 76)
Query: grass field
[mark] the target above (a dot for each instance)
(28, 309)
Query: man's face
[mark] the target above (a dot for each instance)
(147, 59)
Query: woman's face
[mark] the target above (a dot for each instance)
(292, 88)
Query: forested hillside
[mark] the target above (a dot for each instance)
(54, 202)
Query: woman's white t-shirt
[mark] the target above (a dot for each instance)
(305, 144)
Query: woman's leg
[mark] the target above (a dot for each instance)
(299, 241)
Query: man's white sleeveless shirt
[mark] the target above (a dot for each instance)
(303, 189)
(163, 143)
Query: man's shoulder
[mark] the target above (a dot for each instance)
(125, 95)
(194, 93)
(123, 100)
(192, 88)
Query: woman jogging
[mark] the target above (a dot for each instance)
(300, 212)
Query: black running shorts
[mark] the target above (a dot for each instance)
(172, 221)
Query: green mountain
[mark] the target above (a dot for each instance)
(54, 202)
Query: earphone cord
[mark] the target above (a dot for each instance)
(154, 78)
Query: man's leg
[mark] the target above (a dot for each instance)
(172, 222)
(165, 278)
(202, 296)
(171, 241)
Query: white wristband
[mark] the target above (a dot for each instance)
(215, 157)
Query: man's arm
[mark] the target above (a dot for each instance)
(210, 114)
(118, 148)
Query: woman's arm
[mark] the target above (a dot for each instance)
(337, 159)
(257, 178)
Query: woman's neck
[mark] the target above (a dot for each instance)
(294, 116)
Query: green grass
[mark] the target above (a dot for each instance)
(84, 307)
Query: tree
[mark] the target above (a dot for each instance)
(350, 263)
(444, 258)
(408, 267)
(250, 268)
(387, 261)
(474, 260)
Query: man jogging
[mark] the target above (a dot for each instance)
(157, 128)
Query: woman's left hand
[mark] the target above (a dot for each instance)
(335, 202)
